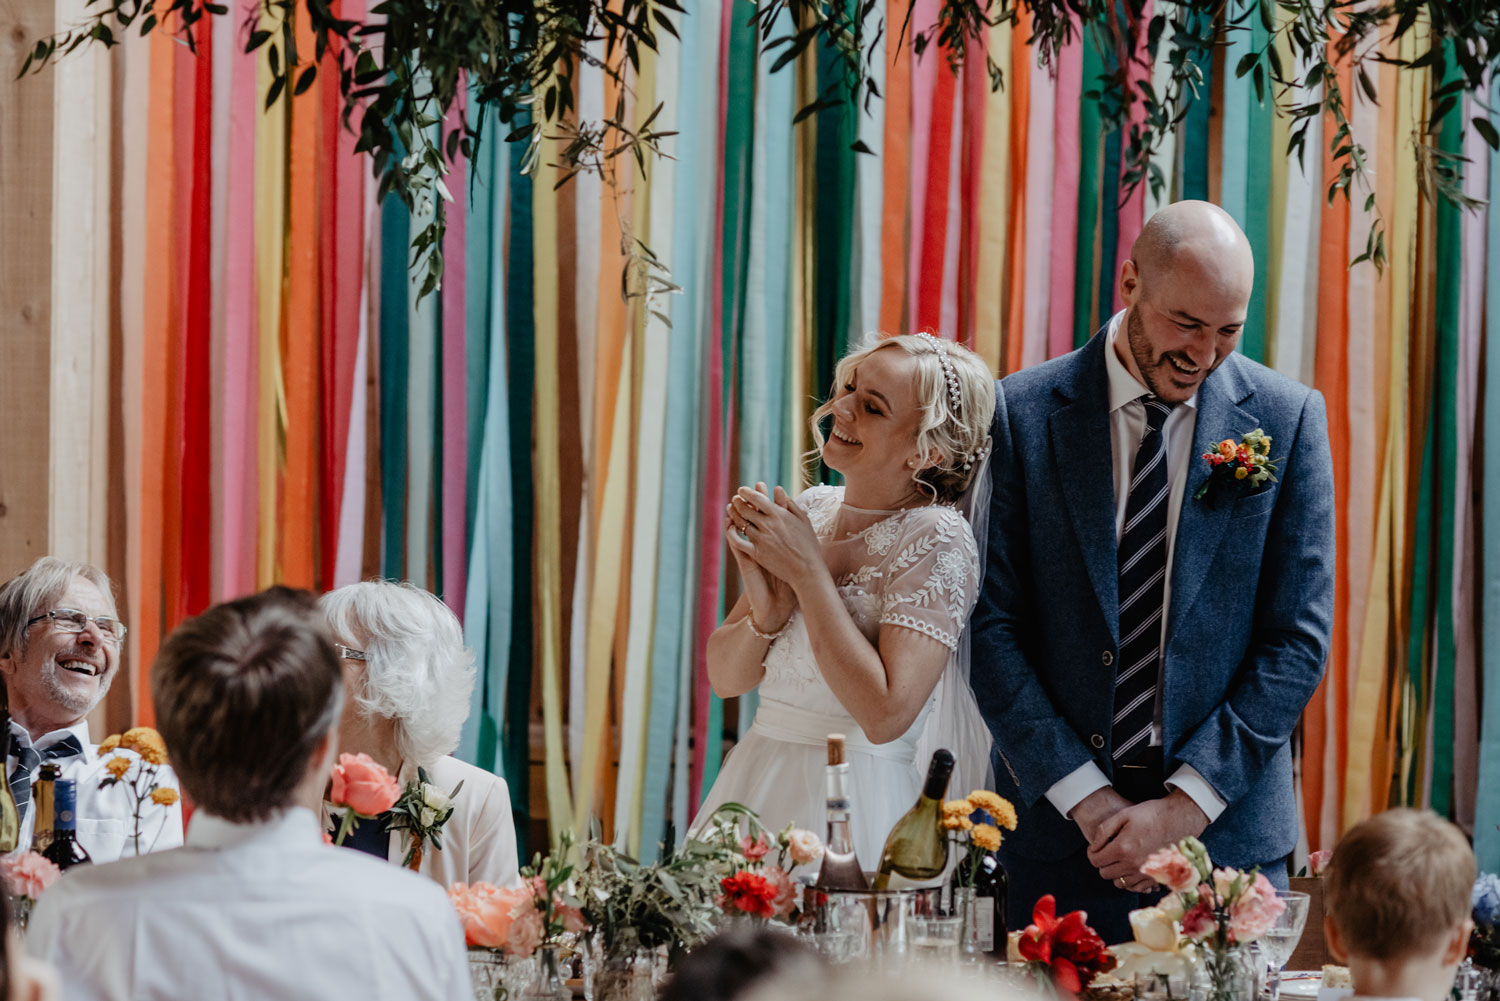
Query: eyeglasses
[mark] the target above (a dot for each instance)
(71, 620)
(348, 652)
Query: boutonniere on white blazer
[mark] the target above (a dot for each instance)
(421, 811)
(1238, 467)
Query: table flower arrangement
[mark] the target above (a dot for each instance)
(27, 875)
(139, 772)
(975, 840)
(1064, 953)
(1484, 941)
(753, 885)
(1218, 910)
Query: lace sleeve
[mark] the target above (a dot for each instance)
(821, 503)
(932, 581)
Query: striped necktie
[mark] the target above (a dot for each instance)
(1143, 575)
(29, 759)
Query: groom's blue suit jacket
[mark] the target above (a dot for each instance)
(1251, 601)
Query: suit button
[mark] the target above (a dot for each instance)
(1108, 658)
(1098, 739)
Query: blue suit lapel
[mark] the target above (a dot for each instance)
(1201, 526)
(1085, 473)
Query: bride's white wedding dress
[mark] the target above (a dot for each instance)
(916, 568)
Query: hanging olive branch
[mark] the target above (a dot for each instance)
(401, 71)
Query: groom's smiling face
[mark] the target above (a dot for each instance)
(1184, 318)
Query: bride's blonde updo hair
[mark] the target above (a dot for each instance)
(956, 399)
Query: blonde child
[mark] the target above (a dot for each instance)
(1396, 904)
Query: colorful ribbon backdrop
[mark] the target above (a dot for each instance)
(553, 458)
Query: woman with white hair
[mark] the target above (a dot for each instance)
(408, 677)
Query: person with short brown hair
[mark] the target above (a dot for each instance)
(61, 644)
(1396, 904)
(248, 697)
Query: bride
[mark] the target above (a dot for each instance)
(856, 597)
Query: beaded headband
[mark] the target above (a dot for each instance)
(950, 376)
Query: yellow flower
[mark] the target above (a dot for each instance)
(956, 822)
(1227, 448)
(147, 743)
(997, 806)
(958, 807)
(986, 836)
(1265, 444)
(117, 766)
(110, 743)
(164, 796)
(1241, 473)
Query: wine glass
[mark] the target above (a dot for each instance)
(1280, 942)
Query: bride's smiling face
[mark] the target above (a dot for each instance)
(873, 437)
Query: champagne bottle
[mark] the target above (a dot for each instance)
(916, 850)
(991, 889)
(65, 851)
(10, 817)
(42, 796)
(841, 869)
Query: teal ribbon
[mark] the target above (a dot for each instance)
(521, 341)
(1257, 217)
(1487, 806)
(1195, 130)
(395, 239)
(1086, 318)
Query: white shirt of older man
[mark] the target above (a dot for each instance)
(106, 817)
(251, 911)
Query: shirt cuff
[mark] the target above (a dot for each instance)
(1070, 790)
(1198, 790)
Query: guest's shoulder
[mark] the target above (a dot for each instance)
(1039, 379)
(940, 523)
(482, 790)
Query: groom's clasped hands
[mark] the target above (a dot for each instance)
(1122, 835)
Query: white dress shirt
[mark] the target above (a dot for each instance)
(479, 839)
(251, 912)
(106, 817)
(1127, 426)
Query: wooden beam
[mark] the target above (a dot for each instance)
(26, 112)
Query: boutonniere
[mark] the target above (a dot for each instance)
(421, 810)
(1241, 467)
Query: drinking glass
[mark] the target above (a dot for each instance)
(1278, 944)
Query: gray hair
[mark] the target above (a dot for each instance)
(417, 670)
(28, 593)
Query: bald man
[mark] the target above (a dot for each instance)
(1142, 654)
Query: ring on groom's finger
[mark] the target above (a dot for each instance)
(1120, 882)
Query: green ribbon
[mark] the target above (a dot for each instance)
(1085, 317)
(1487, 806)
(395, 238)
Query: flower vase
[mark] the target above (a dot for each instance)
(1226, 973)
(969, 953)
(498, 977)
(549, 984)
(20, 911)
(633, 975)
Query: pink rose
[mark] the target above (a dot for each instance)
(1317, 862)
(571, 918)
(526, 933)
(804, 846)
(1224, 880)
(363, 785)
(1256, 911)
(27, 875)
(1199, 922)
(487, 912)
(786, 890)
(1171, 869)
(755, 849)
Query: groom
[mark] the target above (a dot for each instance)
(1142, 654)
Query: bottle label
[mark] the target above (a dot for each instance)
(65, 802)
(984, 924)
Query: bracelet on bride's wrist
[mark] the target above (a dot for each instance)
(750, 620)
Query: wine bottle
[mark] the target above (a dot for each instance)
(991, 888)
(916, 850)
(42, 796)
(10, 817)
(65, 851)
(841, 869)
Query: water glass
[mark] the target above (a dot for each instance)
(1278, 944)
(1162, 986)
(933, 938)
